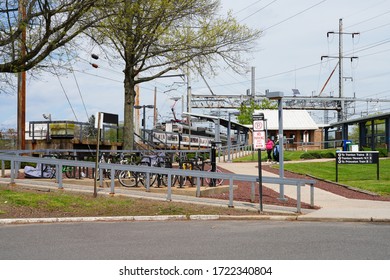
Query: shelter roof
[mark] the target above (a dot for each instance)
(292, 120)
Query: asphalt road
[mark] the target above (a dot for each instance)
(200, 240)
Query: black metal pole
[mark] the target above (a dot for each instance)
(377, 169)
(260, 181)
(213, 162)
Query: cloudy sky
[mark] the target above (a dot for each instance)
(288, 56)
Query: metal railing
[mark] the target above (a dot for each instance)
(16, 160)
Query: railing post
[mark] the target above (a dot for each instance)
(59, 176)
(312, 195)
(12, 172)
(147, 183)
(169, 192)
(253, 192)
(198, 180)
(299, 197)
(101, 177)
(231, 192)
(112, 191)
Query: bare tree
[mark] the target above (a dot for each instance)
(39, 27)
(154, 37)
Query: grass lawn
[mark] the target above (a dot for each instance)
(363, 176)
(17, 202)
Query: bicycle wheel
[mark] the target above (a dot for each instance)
(192, 179)
(217, 182)
(127, 178)
(142, 176)
(177, 179)
(69, 172)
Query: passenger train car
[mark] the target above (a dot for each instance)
(175, 134)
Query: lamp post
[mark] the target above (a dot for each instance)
(228, 133)
(279, 96)
(143, 118)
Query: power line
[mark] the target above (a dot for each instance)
(248, 7)
(63, 90)
(259, 10)
(78, 88)
(297, 14)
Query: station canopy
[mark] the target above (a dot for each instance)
(222, 121)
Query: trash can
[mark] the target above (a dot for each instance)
(347, 145)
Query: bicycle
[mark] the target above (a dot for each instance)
(201, 163)
(128, 178)
(186, 164)
(165, 162)
(212, 182)
(69, 171)
(131, 178)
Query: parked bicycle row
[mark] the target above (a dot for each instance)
(185, 161)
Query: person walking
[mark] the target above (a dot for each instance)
(269, 147)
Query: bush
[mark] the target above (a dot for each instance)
(307, 155)
(328, 155)
(313, 155)
(382, 152)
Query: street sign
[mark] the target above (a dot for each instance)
(259, 140)
(357, 157)
(368, 157)
(258, 125)
(259, 144)
(258, 132)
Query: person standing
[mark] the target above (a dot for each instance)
(269, 147)
(276, 151)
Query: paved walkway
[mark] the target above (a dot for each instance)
(333, 207)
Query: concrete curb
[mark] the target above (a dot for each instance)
(91, 219)
(185, 218)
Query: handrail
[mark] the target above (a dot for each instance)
(59, 163)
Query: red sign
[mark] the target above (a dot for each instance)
(259, 140)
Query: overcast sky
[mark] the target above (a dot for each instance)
(288, 56)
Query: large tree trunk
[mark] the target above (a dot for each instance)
(128, 126)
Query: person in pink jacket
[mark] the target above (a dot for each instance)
(269, 147)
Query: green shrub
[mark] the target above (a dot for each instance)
(328, 154)
(382, 152)
(315, 154)
(307, 155)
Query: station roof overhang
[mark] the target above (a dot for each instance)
(360, 120)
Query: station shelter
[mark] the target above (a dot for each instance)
(369, 133)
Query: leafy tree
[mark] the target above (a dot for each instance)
(246, 110)
(31, 30)
(89, 130)
(154, 37)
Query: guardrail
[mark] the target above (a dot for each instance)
(230, 177)
(236, 151)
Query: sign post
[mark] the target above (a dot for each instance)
(259, 144)
(369, 157)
